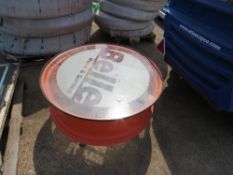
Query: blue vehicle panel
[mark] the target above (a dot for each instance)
(199, 45)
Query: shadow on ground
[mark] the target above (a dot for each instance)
(55, 154)
(193, 138)
(33, 100)
(159, 22)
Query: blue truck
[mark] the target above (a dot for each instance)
(199, 46)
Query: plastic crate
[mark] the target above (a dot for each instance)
(199, 45)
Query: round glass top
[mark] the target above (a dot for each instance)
(101, 82)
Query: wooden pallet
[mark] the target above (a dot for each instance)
(7, 99)
(10, 159)
(6, 104)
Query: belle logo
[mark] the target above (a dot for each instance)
(97, 79)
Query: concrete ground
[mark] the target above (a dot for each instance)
(186, 136)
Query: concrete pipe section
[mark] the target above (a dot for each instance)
(128, 19)
(41, 28)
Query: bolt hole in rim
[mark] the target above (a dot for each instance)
(101, 94)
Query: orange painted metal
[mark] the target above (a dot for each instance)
(101, 133)
(101, 94)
